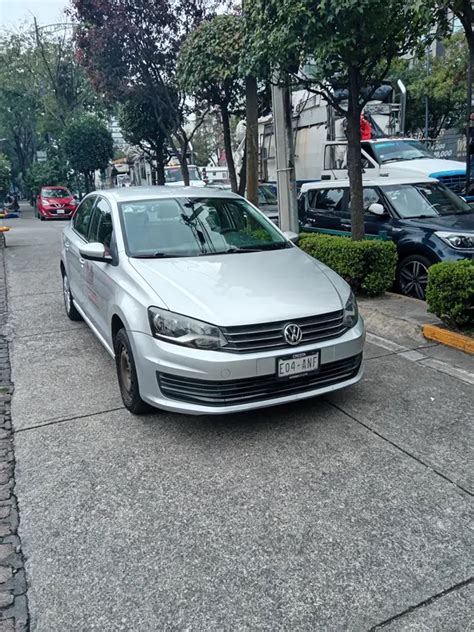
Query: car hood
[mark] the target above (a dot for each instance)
(431, 167)
(240, 289)
(462, 223)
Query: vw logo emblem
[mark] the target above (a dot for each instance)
(293, 334)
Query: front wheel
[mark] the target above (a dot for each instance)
(412, 276)
(127, 375)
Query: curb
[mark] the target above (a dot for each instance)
(449, 338)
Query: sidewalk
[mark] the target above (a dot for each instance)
(397, 321)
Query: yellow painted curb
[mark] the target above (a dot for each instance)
(449, 338)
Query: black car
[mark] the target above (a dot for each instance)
(428, 222)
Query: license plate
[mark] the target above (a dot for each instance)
(298, 364)
(60, 211)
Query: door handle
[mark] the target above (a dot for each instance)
(346, 226)
(82, 262)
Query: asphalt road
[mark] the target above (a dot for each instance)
(345, 513)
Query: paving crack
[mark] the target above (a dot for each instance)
(398, 447)
(53, 422)
(422, 604)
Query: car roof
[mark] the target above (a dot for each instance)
(373, 182)
(135, 194)
(54, 186)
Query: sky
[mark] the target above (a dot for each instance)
(14, 12)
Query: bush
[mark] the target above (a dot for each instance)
(368, 266)
(450, 292)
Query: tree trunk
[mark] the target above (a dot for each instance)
(251, 97)
(160, 166)
(183, 163)
(228, 148)
(243, 172)
(354, 157)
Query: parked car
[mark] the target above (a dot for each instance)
(206, 306)
(174, 177)
(55, 202)
(427, 221)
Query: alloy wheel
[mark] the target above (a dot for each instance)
(414, 279)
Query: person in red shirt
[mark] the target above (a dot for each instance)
(365, 128)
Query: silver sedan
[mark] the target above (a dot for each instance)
(205, 305)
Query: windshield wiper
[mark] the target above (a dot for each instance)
(155, 255)
(422, 216)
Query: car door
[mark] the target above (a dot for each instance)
(375, 225)
(335, 161)
(98, 275)
(74, 237)
(326, 207)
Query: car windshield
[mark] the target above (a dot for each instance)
(392, 150)
(55, 193)
(191, 227)
(174, 174)
(425, 200)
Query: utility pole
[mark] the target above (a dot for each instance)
(285, 163)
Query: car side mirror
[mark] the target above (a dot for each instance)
(291, 236)
(95, 252)
(376, 209)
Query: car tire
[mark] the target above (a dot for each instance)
(127, 375)
(412, 276)
(69, 306)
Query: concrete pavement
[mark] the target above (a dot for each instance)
(350, 513)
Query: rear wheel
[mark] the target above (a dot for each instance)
(69, 306)
(412, 276)
(127, 375)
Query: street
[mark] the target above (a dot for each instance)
(350, 512)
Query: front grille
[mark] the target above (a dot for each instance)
(269, 336)
(230, 392)
(455, 183)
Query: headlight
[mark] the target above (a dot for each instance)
(461, 241)
(184, 331)
(351, 312)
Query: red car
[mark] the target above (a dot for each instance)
(55, 203)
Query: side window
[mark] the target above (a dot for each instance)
(101, 224)
(327, 200)
(370, 197)
(83, 215)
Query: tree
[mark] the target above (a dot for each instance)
(141, 128)
(51, 172)
(207, 141)
(351, 44)
(43, 86)
(129, 43)
(208, 69)
(443, 80)
(5, 175)
(464, 11)
(88, 146)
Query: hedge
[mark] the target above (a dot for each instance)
(368, 266)
(450, 292)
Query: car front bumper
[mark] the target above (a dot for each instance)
(211, 370)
